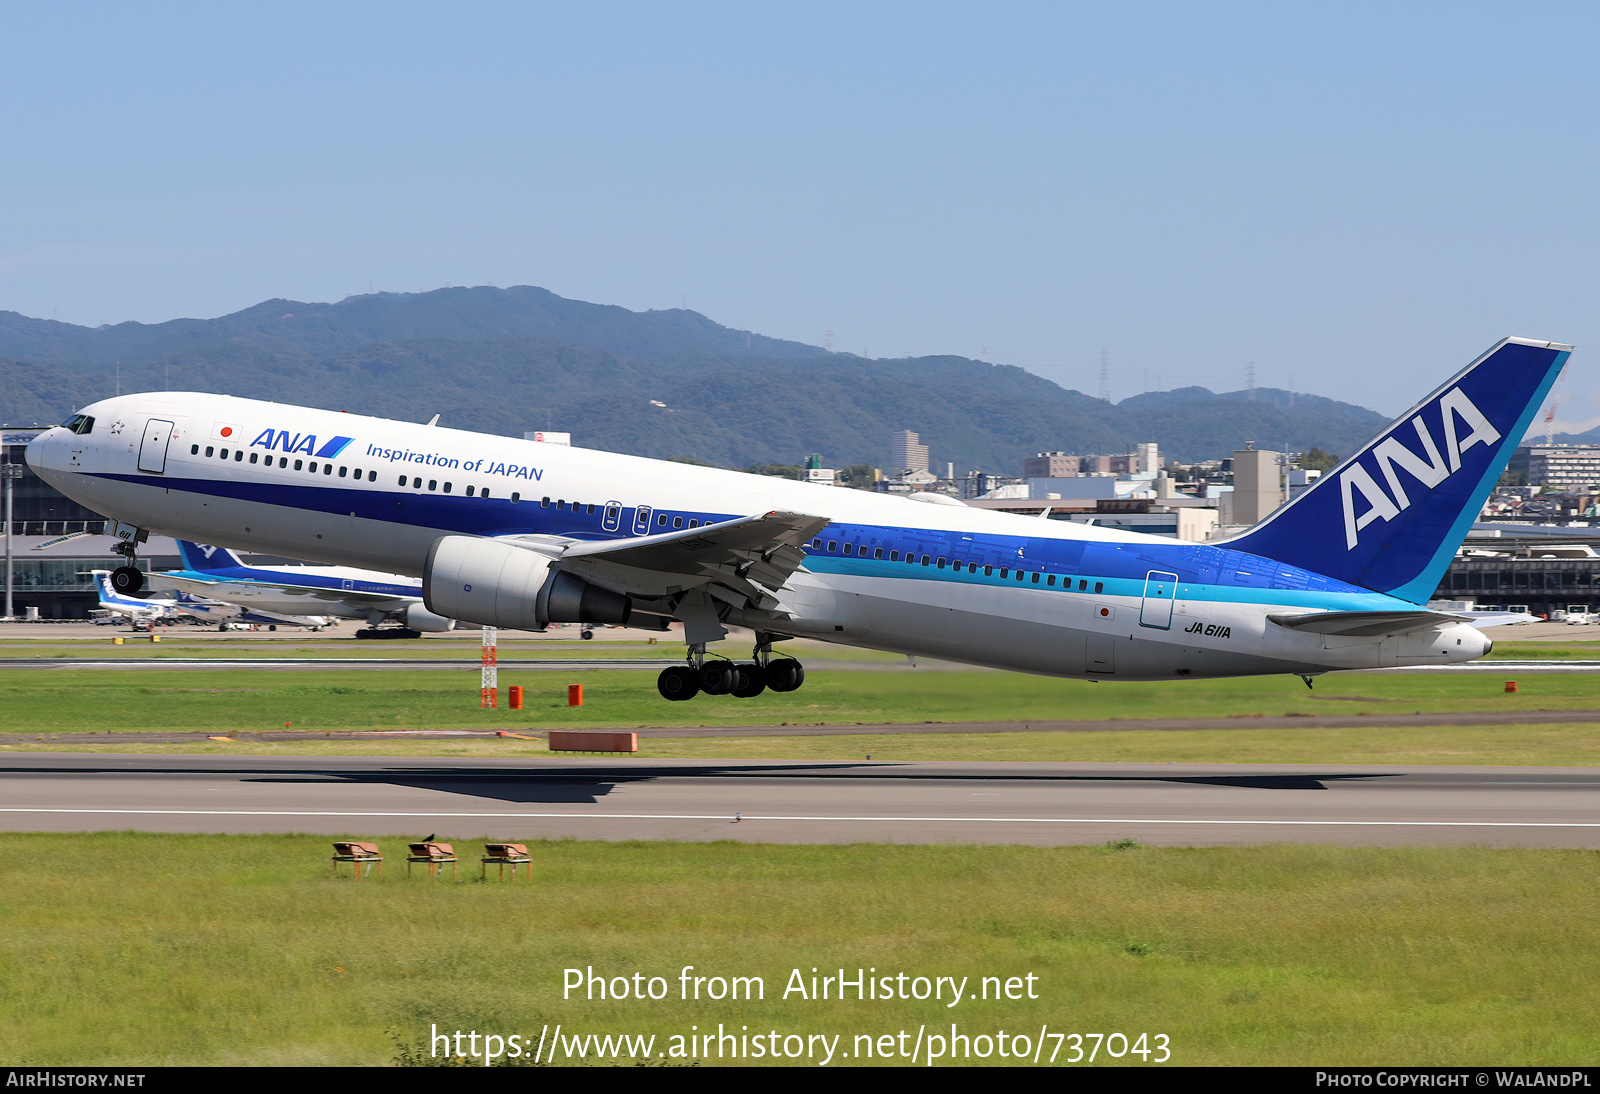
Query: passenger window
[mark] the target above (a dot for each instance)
(972, 567)
(238, 454)
(677, 522)
(1036, 579)
(194, 450)
(222, 454)
(1083, 585)
(661, 520)
(416, 484)
(343, 470)
(816, 545)
(591, 510)
(877, 552)
(372, 476)
(988, 571)
(849, 548)
(469, 491)
(254, 457)
(1021, 575)
(358, 473)
(446, 488)
(694, 523)
(941, 564)
(1004, 571)
(515, 497)
(297, 464)
(402, 480)
(312, 468)
(485, 491)
(283, 461)
(1051, 580)
(925, 560)
(544, 503)
(210, 451)
(1099, 586)
(327, 469)
(894, 556)
(433, 484)
(833, 545)
(561, 503)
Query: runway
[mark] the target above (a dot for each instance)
(790, 802)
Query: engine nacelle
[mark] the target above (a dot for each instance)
(495, 584)
(419, 618)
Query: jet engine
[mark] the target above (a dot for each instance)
(495, 584)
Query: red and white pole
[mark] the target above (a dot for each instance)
(489, 693)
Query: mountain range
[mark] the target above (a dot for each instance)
(654, 383)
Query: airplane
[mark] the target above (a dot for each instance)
(227, 615)
(187, 606)
(520, 534)
(341, 592)
(135, 609)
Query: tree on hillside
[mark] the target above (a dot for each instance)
(1317, 459)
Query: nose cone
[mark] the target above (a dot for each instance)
(36, 451)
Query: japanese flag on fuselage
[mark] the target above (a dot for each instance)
(223, 431)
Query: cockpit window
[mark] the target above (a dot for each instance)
(79, 424)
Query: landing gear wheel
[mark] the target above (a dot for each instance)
(677, 684)
(749, 682)
(127, 580)
(785, 674)
(587, 634)
(717, 677)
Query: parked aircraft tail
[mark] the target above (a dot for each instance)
(1391, 517)
(203, 558)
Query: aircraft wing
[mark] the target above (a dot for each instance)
(1365, 624)
(741, 561)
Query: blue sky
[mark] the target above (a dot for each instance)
(1356, 198)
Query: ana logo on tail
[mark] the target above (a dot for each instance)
(1391, 456)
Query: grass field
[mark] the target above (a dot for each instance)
(126, 949)
(65, 700)
(89, 708)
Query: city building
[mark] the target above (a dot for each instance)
(1558, 466)
(908, 454)
(1050, 465)
(1257, 485)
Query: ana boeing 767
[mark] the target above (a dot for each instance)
(519, 534)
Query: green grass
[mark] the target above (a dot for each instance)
(1507, 745)
(127, 949)
(240, 700)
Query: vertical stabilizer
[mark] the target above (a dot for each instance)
(1391, 517)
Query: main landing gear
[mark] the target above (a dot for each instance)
(742, 680)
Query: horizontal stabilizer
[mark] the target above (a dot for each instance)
(1364, 624)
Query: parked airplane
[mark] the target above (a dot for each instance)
(346, 593)
(186, 606)
(519, 534)
(136, 609)
(227, 615)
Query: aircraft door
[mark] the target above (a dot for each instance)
(613, 516)
(641, 521)
(1159, 589)
(153, 446)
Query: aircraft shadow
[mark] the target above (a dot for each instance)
(581, 783)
